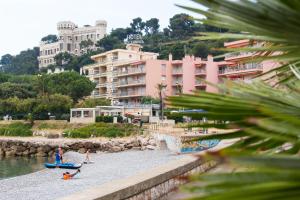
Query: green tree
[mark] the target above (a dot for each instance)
(200, 50)
(55, 104)
(92, 103)
(181, 26)
(149, 100)
(22, 91)
(50, 38)
(24, 63)
(120, 33)
(137, 25)
(69, 83)
(110, 42)
(152, 26)
(86, 44)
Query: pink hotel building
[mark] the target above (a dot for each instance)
(127, 75)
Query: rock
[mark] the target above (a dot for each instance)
(150, 147)
(32, 150)
(136, 148)
(82, 150)
(41, 154)
(10, 153)
(2, 152)
(25, 153)
(152, 142)
(115, 149)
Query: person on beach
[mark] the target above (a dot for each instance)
(57, 157)
(68, 176)
(87, 157)
(60, 151)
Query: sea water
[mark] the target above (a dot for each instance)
(16, 166)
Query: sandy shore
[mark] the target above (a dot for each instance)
(48, 183)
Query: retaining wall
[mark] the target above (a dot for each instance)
(153, 184)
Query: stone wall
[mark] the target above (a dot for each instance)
(47, 147)
(153, 184)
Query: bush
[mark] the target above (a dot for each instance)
(102, 129)
(16, 129)
(175, 116)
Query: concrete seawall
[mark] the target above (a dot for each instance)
(156, 183)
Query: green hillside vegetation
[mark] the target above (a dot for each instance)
(156, 39)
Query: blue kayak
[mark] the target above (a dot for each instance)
(63, 165)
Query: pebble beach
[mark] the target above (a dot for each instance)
(48, 183)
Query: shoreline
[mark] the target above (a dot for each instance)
(43, 147)
(48, 183)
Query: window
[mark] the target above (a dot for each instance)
(163, 77)
(69, 47)
(88, 114)
(61, 45)
(98, 36)
(163, 68)
(76, 114)
(76, 38)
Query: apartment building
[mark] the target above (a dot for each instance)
(70, 37)
(238, 65)
(192, 73)
(127, 75)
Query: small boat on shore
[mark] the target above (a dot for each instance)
(63, 165)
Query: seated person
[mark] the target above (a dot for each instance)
(68, 176)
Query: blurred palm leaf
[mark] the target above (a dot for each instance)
(265, 119)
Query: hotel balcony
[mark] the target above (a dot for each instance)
(238, 55)
(130, 94)
(177, 72)
(100, 85)
(250, 68)
(130, 83)
(177, 82)
(199, 83)
(132, 71)
(200, 72)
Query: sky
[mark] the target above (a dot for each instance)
(25, 22)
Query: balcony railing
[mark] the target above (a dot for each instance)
(177, 71)
(131, 82)
(238, 54)
(200, 71)
(240, 68)
(101, 84)
(177, 82)
(132, 71)
(131, 93)
(200, 83)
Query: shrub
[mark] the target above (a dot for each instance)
(16, 129)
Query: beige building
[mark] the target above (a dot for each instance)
(125, 75)
(69, 38)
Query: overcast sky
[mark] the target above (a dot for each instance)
(25, 22)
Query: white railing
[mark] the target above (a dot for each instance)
(120, 83)
(131, 93)
(131, 71)
(238, 54)
(240, 68)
